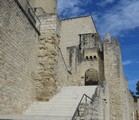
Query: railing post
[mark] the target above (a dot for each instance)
(78, 112)
(85, 99)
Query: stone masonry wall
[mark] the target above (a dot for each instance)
(121, 102)
(18, 44)
(70, 30)
(63, 75)
(47, 60)
(130, 106)
(126, 100)
(51, 68)
(112, 75)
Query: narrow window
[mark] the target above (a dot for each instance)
(91, 58)
(95, 57)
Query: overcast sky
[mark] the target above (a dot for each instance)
(118, 17)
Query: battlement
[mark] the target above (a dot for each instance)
(110, 41)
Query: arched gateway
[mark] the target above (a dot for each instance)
(91, 77)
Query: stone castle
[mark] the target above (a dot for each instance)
(46, 61)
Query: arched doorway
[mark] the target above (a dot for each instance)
(91, 77)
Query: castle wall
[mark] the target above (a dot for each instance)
(47, 57)
(121, 102)
(36, 69)
(129, 104)
(70, 30)
(112, 63)
(126, 96)
(53, 71)
(18, 44)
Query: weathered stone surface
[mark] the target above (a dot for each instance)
(112, 72)
(35, 68)
(70, 30)
(47, 62)
(18, 44)
(52, 70)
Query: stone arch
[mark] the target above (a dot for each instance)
(91, 77)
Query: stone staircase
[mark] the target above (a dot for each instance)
(62, 106)
(90, 108)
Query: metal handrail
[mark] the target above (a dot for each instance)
(77, 109)
(64, 61)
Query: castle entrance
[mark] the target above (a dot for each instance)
(91, 77)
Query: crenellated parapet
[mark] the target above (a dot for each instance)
(107, 38)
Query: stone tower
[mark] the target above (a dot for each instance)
(49, 6)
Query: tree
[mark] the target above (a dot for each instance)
(137, 88)
(132, 92)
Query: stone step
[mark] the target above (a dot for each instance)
(62, 104)
(34, 117)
